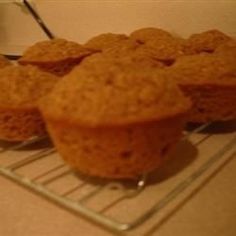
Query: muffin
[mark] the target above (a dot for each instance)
(103, 41)
(210, 81)
(206, 41)
(20, 89)
(57, 56)
(114, 120)
(4, 61)
(159, 44)
(145, 35)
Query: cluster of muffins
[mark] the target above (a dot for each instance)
(116, 106)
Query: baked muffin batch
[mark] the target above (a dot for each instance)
(116, 106)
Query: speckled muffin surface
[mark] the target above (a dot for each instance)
(57, 56)
(155, 52)
(227, 49)
(144, 35)
(98, 79)
(204, 68)
(159, 44)
(122, 47)
(127, 54)
(210, 81)
(206, 41)
(104, 41)
(118, 121)
(165, 50)
(20, 89)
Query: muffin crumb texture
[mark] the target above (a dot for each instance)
(19, 125)
(20, 89)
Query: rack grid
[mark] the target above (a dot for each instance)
(36, 165)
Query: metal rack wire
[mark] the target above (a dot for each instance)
(36, 165)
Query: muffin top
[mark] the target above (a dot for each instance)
(144, 35)
(206, 41)
(204, 68)
(103, 41)
(130, 58)
(22, 86)
(54, 50)
(4, 61)
(227, 48)
(166, 50)
(159, 44)
(122, 48)
(107, 92)
(133, 52)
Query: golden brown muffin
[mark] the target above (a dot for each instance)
(114, 120)
(103, 41)
(144, 35)
(4, 61)
(159, 44)
(210, 81)
(57, 56)
(206, 41)
(20, 89)
(122, 48)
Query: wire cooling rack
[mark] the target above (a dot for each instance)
(36, 165)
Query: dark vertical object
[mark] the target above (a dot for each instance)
(38, 20)
(40, 23)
